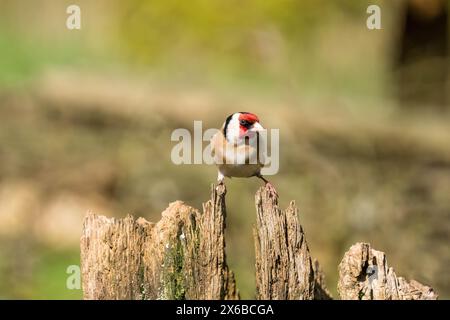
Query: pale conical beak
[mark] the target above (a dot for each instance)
(257, 127)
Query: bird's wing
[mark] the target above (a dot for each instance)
(218, 143)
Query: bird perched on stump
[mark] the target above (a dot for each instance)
(239, 148)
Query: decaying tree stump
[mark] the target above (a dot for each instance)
(180, 257)
(183, 257)
(365, 275)
(284, 268)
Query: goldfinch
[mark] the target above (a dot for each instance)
(236, 148)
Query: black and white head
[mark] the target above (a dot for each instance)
(239, 125)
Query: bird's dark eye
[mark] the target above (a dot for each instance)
(244, 123)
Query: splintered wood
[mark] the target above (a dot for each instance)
(180, 257)
(284, 268)
(365, 275)
(183, 257)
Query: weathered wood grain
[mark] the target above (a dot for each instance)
(180, 257)
(284, 268)
(365, 275)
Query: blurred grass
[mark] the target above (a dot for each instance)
(49, 278)
(22, 58)
(31, 271)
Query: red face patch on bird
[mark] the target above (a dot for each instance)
(246, 120)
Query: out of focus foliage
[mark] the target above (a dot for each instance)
(244, 33)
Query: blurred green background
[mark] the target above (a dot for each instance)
(86, 117)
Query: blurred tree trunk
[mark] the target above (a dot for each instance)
(422, 54)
